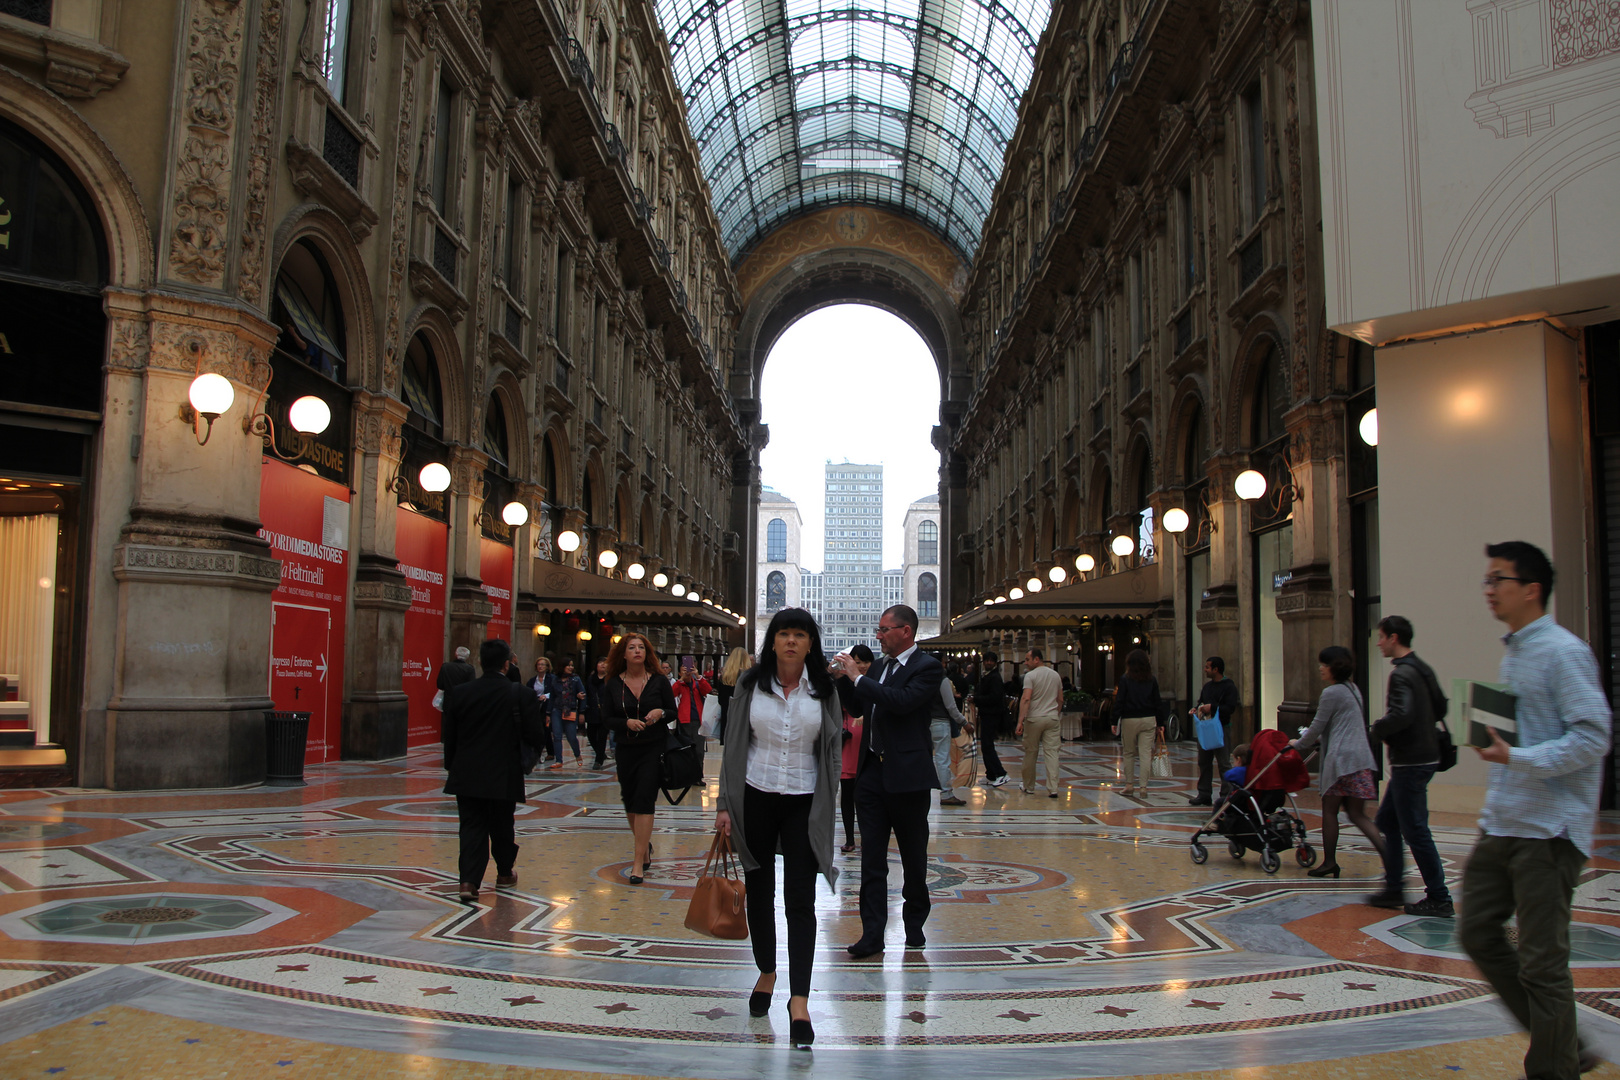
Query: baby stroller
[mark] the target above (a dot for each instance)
(1261, 815)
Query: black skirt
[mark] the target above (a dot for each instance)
(639, 773)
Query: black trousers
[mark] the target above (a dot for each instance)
(989, 728)
(1216, 757)
(771, 820)
(846, 801)
(596, 732)
(905, 815)
(486, 829)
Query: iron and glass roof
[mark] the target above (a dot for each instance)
(902, 104)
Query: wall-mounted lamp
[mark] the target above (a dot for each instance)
(617, 638)
(1122, 545)
(1034, 584)
(635, 571)
(660, 579)
(742, 620)
(1015, 593)
(1278, 479)
(1085, 562)
(584, 635)
(1369, 427)
(676, 589)
(434, 477)
(515, 513)
(543, 630)
(568, 540)
(1058, 575)
(1177, 521)
(999, 600)
(1249, 485)
(211, 396)
(607, 558)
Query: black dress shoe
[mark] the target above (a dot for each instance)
(759, 1003)
(864, 948)
(916, 939)
(801, 1033)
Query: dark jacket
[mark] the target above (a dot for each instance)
(899, 710)
(1412, 706)
(618, 706)
(454, 673)
(593, 698)
(991, 695)
(1133, 698)
(483, 723)
(1221, 693)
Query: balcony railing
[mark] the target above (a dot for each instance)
(341, 149)
(579, 63)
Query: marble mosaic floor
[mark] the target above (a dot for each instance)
(316, 931)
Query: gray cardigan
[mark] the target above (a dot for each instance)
(823, 804)
(1343, 733)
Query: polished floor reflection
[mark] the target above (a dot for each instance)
(300, 931)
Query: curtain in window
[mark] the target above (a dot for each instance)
(28, 608)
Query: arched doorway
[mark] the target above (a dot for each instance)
(53, 266)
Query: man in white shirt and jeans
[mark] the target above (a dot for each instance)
(1040, 710)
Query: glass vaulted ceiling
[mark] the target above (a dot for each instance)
(902, 104)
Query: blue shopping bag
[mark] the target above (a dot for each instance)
(1209, 732)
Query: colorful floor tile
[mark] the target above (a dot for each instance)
(317, 931)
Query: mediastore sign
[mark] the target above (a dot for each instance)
(422, 548)
(495, 568)
(305, 519)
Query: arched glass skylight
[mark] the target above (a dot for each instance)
(902, 104)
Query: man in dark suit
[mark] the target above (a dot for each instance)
(894, 775)
(484, 720)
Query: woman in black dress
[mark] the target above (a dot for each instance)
(636, 702)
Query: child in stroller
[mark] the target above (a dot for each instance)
(1258, 813)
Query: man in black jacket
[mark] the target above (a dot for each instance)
(990, 700)
(895, 775)
(1413, 705)
(1219, 698)
(484, 720)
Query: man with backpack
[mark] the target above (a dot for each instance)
(1414, 710)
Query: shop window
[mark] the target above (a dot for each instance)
(48, 228)
(928, 597)
(422, 392)
(307, 309)
(928, 543)
(776, 541)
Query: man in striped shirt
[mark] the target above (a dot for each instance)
(1540, 810)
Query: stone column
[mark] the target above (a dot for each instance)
(375, 716)
(1306, 603)
(1219, 615)
(470, 608)
(526, 584)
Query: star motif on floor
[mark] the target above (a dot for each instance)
(618, 1007)
(1452, 1068)
(716, 1013)
(350, 980)
(1359, 986)
(291, 967)
(1283, 995)
(1212, 1006)
(526, 999)
(917, 1017)
(434, 991)
(193, 1042)
(1021, 1017)
(1114, 1010)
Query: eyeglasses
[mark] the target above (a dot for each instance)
(884, 629)
(1491, 581)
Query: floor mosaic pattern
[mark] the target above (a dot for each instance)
(317, 931)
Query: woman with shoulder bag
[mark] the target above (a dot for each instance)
(1136, 718)
(737, 662)
(541, 685)
(778, 790)
(1348, 768)
(567, 697)
(637, 703)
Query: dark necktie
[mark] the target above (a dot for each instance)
(876, 741)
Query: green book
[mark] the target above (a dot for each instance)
(1492, 706)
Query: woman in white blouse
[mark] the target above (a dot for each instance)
(778, 794)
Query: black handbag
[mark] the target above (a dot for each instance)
(680, 766)
(1448, 749)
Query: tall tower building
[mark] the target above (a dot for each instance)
(852, 585)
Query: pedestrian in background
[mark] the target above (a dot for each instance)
(1347, 769)
(1040, 713)
(1219, 697)
(990, 702)
(596, 731)
(565, 698)
(945, 724)
(1136, 716)
(639, 706)
(854, 724)
(737, 662)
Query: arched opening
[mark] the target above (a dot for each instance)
(928, 597)
(852, 461)
(775, 591)
(423, 391)
(1146, 550)
(776, 541)
(310, 360)
(53, 266)
(495, 565)
(928, 543)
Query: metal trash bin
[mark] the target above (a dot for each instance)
(285, 736)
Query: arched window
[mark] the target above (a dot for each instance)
(928, 543)
(1195, 450)
(1269, 405)
(51, 228)
(420, 383)
(775, 591)
(928, 596)
(307, 309)
(1144, 490)
(776, 541)
(495, 440)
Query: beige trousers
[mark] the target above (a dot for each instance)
(1136, 742)
(1041, 732)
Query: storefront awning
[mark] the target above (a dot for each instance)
(562, 586)
(971, 639)
(1130, 592)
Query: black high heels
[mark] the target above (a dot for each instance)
(800, 1033)
(1330, 870)
(759, 1003)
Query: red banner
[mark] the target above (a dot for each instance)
(422, 546)
(306, 521)
(495, 567)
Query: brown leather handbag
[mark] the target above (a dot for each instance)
(718, 905)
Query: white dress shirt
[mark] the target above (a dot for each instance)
(783, 733)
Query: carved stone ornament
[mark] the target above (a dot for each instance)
(266, 92)
(202, 184)
(399, 226)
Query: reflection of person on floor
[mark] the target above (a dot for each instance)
(637, 704)
(1346, 773)
(485, 762)
(778, 779)
(894, 777)
(1040, 712)
(1540, 810)
(1136, 715)
(853, 726)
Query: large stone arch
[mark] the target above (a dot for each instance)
(1263, 335)
(331, 237)
(433, 324)
(504, 387)
(562, 461)
(1189, 397)
(45, 116)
